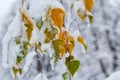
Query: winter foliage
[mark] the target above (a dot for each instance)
(41, 27)
(102, 39)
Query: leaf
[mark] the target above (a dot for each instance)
(81, 40)
(73, 66)
(39, 47)
(81, 14)
(59, 47)
(19, 59)
(62, 35)
(20, 71)
(90, 18)
(57, 16)
(71, 43)
(16, 71)
(17, 39)
(66, 76)
(89, 4)
(25, 45)
(49, 36)
(28, 24)
(69, 58)
(39, 24)
(24, 53)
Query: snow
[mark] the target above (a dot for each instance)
(9, 53)
(100, 61)
(29, 60)
(4, 7)
(114, 76)
(40, 76)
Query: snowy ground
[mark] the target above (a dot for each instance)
(103, 39)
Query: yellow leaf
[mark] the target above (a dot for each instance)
(39, 47)
(17, 71)
(68, 39)
(89, 4)
(71, 43)
(81, 40)
(28, 24)
(57, 16)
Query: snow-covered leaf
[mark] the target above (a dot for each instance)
(81, 14)
(27, 23)
(39, 24)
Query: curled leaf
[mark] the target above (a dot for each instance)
(57, 16)
(81, 40)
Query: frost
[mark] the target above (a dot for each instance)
(114, 76)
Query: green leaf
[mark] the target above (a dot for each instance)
(19, 59)
(17, 39)
(66, 76)
(49, 36)
(68, 59)
(24, 53)
(25, 45)
(58, 46)
(39, 24)
(91, 18)
(73, 66)
(20, 71)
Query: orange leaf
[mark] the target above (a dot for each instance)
(81, 40)
(89, 4)
(57, 16)
(62, 35)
